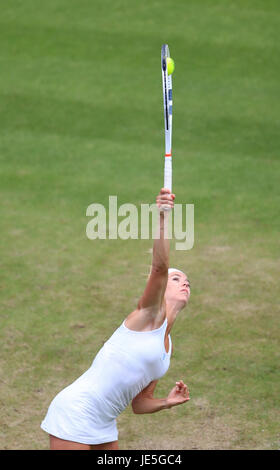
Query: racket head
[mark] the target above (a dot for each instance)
(167, 98)
(164, 54)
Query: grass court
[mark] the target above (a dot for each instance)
(80, 119)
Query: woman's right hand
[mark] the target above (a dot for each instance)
(165, 200)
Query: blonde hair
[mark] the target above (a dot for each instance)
(174, 270)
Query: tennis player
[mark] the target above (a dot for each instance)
(129, 365)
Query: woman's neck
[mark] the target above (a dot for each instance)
(171, 312)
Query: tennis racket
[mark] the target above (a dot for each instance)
(167, 107)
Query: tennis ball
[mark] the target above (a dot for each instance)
(170, 65)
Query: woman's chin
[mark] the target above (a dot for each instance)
(180, 301)
(184, 300)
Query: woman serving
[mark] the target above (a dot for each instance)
(129, 365)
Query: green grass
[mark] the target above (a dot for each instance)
(81, 119)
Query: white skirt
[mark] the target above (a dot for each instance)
(78, 418)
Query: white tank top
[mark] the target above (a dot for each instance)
(123, 367)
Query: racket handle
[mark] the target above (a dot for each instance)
(168, 172)
(167, 177)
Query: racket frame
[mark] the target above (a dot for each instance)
(167, 106)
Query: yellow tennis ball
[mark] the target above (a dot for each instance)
(170, 65)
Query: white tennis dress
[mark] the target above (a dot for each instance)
(86, 410)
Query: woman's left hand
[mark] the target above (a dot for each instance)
(178, 395)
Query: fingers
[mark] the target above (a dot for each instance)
(165, 199)
(180, 383)
(166, 192)
(165, 202)
(183, 389)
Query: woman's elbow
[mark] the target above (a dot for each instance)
(136, 407)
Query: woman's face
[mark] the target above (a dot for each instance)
(178, 288)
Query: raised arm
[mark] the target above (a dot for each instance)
(154, 292)
(150, 303)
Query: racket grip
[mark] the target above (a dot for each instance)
(168, 173)
(167, 177)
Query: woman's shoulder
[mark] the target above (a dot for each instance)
(139, 320)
